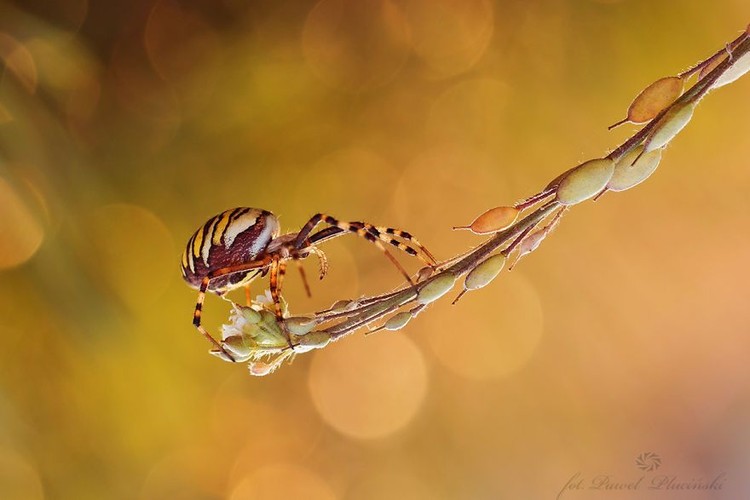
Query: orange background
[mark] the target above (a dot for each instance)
(126, 124)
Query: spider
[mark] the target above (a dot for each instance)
(235, 246)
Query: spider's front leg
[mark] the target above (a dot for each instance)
(205, 282)
(373, 234)
(278, 271)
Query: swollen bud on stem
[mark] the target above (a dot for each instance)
(653, 100)
(436, 288)
(532, 241)
(585, 181)
(299, 325)
(668, 126)
(313, 340)
(493, 220)
(239, 345)
(738, 68)
(633, 168)
(485, 272)
(397, 321)
(248, 313)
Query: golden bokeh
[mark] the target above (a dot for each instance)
(18, 478)
(356, 45)
(184, 474)
(135, 252)
(478, 343)
(18, 60)
(22, 231)
(369, 388)
(126, 125)
(281, 481)
(436, 176)
(450, 35)
(471, 111)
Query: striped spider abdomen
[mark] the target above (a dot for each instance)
(228, 239)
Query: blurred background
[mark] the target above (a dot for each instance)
(126, 124)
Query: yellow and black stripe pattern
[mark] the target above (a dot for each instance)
(233, 247)
(372, 234)
(210, 247)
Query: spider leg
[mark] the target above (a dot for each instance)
(248, 299)
(325, 235)
(224, 271)
(379, 232)
(322, 261)
(365, 230)
(303, 275)
(278, 270)
(420, 252)
(413, 247)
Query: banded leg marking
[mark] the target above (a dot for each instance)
(202, 297)
(374, 234)
(278, 270)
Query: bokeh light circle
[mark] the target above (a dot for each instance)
(68, 15)
(282, 481)
(185, 51)
(22, 234)
(356, 176)
(18, 479)
(18, 60)
(264, 432)
(471, 111)
(369, 387)
(394, 481)
(135, 252)
(150, 101)
(489, 333)
(437, 186)
(356, 45)
(450, 35)
(189, 472)
(169, 26)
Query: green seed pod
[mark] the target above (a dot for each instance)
(585, 181)
(268, 319)
(436, 288)
(397, 321)
(239, 345)
(533, 240)
(299, 325)
(556, 181)
(493, 220)
(313, 340)
(485, 272)
(269, 334)
(248, 313)
(668, 126)
(739, 68)
(634, 168)
(653, 100)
